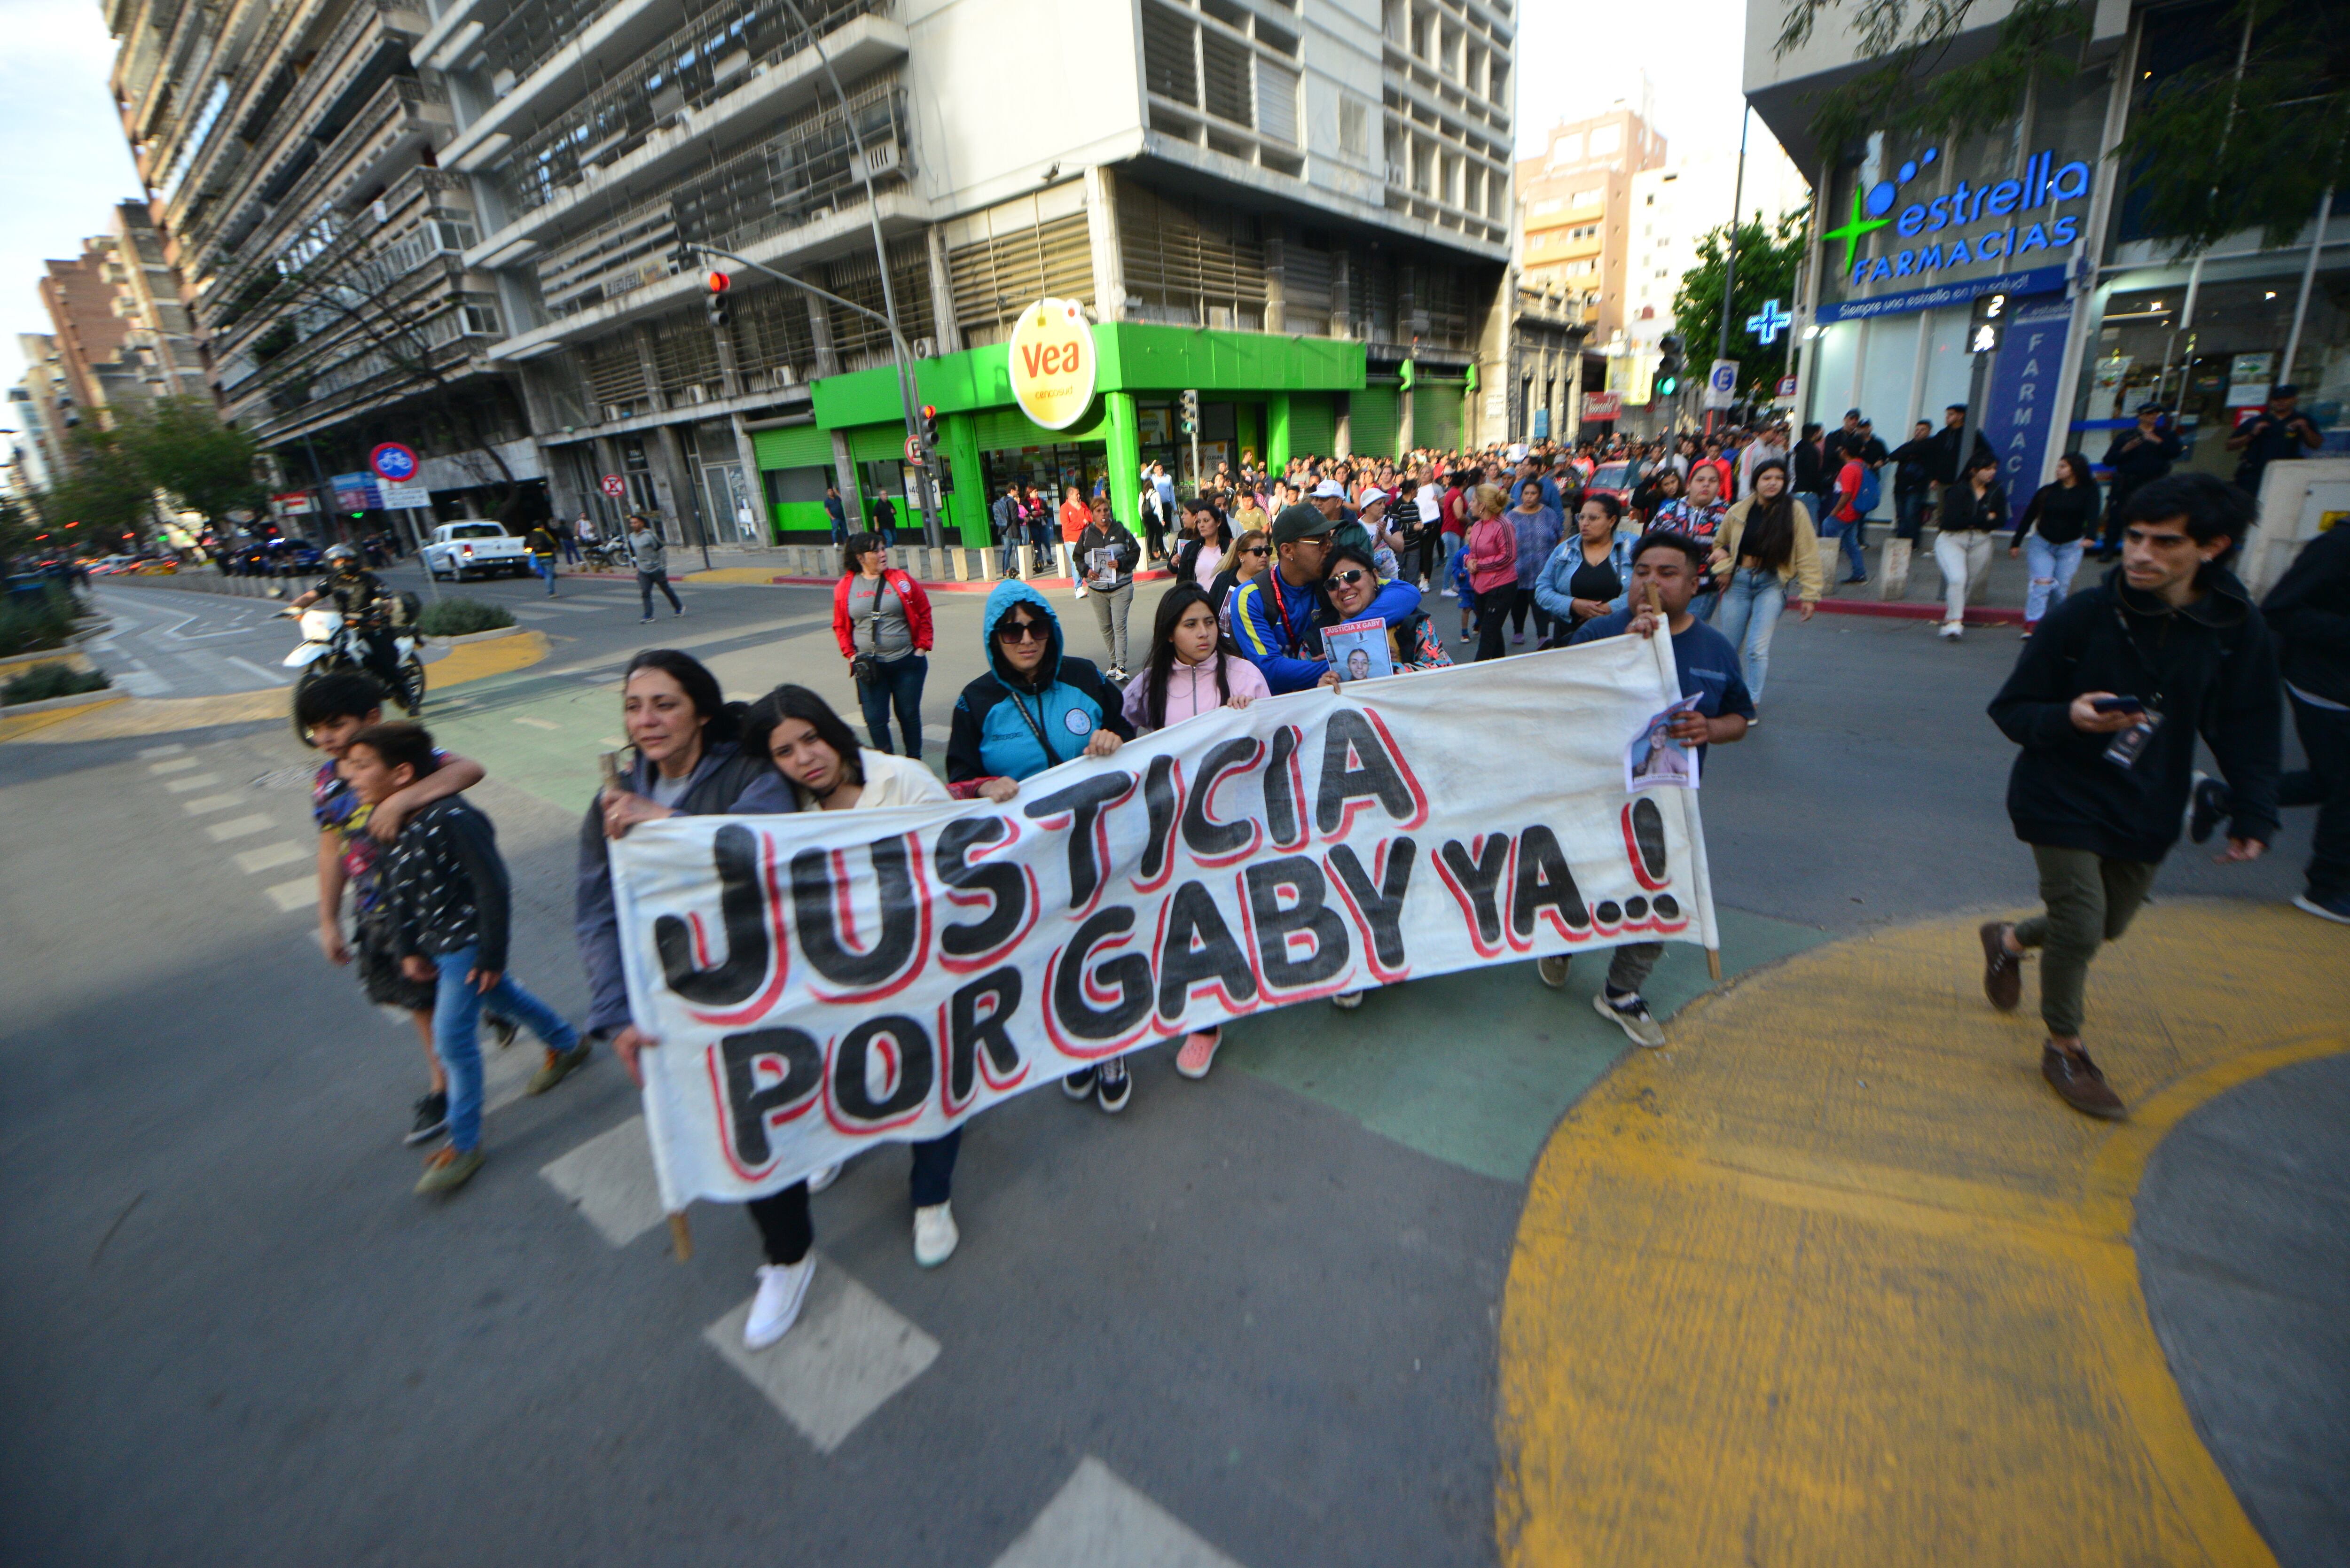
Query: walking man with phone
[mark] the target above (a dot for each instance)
(2107, 701)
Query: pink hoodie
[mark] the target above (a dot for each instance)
(1191, 689)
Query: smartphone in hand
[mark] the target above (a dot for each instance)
(2118, 705)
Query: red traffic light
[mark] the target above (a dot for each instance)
(928, 413)
(718, 281)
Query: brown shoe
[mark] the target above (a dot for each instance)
(2078, 1083)
(2002, 970)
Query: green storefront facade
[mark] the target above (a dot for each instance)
(1271, 395)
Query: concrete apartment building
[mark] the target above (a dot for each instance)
(1570, 252)
(39, 404)
(1276, 204)
(92, 338)
(386, 213)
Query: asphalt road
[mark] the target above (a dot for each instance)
(1251, 1320)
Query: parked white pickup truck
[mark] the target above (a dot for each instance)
(460, 549)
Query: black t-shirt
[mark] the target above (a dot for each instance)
(1590, 581)
(2058, 515)
(2270, 441)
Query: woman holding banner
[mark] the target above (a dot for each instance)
(1035, 709)
(1194, 668)
(689, 762)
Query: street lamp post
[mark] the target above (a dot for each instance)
(909, 394)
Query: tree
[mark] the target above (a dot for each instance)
(2215, 149)
(1767, 259)
(181, 447)
(102, 501)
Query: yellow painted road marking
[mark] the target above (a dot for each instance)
(162, 715)
(1836, 1279)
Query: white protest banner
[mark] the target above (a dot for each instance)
(823, 981)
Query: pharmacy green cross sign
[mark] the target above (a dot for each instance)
(1852, 233)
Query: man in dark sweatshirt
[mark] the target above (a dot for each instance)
(449, 904)
(2107, 701)
(2309, 612)
(2137, 456)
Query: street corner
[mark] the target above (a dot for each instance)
(1795, 1290)
(477, 659)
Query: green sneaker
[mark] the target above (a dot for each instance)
(448, 1170)
(559, 1065)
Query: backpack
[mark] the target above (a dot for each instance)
(1871, 491)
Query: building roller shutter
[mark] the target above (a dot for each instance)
(797, 446)
(1373, 424)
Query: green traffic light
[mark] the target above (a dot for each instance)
(1667, 385)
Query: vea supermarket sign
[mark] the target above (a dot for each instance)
(1994, 221)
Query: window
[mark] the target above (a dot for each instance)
(1354, 132)
(1585, 198)
(1565, 151)
(1550, 205)
(1606, 139)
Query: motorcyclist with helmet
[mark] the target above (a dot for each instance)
(366, 606)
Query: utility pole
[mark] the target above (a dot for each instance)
(1730, 250)
(909, 394)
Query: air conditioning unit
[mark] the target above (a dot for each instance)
(926, 348)
(874, 160)
(697, 393)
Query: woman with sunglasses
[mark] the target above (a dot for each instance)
(1350, 582)
(1035, 709)
(817, 762)
(1250, 553)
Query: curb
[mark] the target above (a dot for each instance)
(466, 637)
(98, 698)
(1977, 615)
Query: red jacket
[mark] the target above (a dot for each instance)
(910, 593)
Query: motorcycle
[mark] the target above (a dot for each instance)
(330, 643)
(606, 555)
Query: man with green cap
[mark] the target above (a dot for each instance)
(1274, 613)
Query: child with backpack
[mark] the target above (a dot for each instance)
(448, 904)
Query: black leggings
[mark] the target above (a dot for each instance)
(782, 1218)
(1522, 600)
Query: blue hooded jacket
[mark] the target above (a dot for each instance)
(1287, 647)
(1064, 702)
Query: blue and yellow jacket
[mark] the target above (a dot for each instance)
(1281, 634)
(991, 739)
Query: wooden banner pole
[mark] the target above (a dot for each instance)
(681, 1236)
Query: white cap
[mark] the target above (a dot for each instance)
(1330, 488)
(1369, 498)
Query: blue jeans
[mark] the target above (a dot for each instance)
(1908, 515)
(2050, 577)
(1855, 537)
(1008, 555)
(1751, 603)
(543, 567)
(899, 685)
(456, 1031)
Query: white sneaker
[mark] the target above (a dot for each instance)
(1951, 631)
(1347, 1001)
(935, 1234)
(1451, 594)
(1553, 970)
(823, 1178)
(782, 1288)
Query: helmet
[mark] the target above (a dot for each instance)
(342, 556)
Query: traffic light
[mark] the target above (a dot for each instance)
(930, 427)
(1671, 361)
(1990, 322)
(1191, 412)
(714, 307)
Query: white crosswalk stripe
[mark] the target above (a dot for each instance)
(193, 781)
(171, 749)
(239, 827)
(521, 614)
(573, 609)
(175, 765)
(537, 723)
(844, 1359)
(610, 1179)
(270, 857)
(302, 893)
(1096, 1521)
(205, 804)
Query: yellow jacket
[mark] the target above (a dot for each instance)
(1803, 562)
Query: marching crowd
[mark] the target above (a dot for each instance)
(1705, 545)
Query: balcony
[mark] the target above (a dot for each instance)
(403, 117)
(683, 76)
(804, 171)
